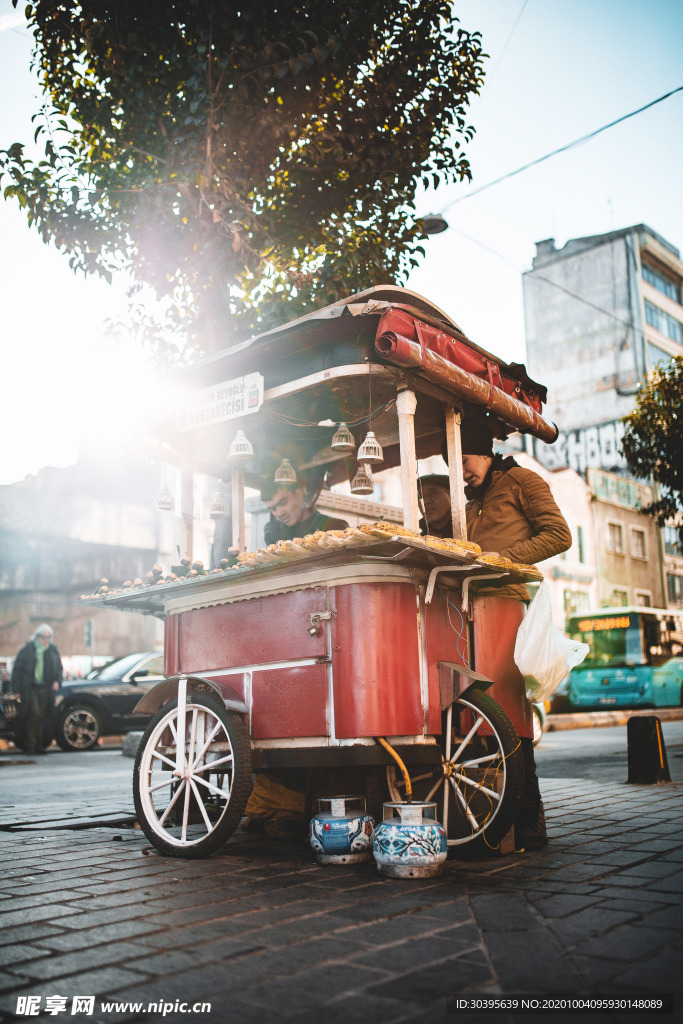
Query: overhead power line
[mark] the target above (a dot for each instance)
(562, 149)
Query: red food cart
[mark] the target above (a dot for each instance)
(353, 657)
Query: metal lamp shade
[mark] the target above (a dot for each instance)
(164, 501)
(342, 439)
(218, 507)
(285, 473)
(362, 481)
(241, 447)
(370, 451)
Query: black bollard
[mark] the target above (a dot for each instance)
(647, 761)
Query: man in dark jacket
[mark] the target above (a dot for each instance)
(510, 512)
(436, 504)
(36, 674)
(290, 514)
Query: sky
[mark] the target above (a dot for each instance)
(557, 70)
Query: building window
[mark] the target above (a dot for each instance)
(663, 323)
(672, 544)
(615, 538)
(638, 545)
(575, 602)
(618, 598)
(580, 543)
(663, 284)
(674, 586)
(656, 356)
(643, 598)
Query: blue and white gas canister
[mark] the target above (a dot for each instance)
(341, 831)
(410, 842)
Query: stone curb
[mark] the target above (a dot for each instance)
(600, 719)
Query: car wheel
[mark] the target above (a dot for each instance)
(538, 726)
(79, 728)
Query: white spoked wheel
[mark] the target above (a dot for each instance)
(478, 786)
(192, 776)
(538, 725)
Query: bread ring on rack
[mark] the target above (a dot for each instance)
(450, 544)
(392, 529)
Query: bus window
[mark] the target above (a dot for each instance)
(613, 640)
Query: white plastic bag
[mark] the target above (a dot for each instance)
(543, 654)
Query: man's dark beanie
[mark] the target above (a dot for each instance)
(476, 438)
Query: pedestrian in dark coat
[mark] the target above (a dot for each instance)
(36, 674)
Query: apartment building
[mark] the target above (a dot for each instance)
(601, 312)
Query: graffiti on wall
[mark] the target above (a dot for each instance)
(591, 447)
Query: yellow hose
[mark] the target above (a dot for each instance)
(399, 762)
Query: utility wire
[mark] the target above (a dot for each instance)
(491, 73)
(546, 280)
(562, 149)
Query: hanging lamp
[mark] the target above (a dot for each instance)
(241, 447)
(362, 481)
(164, 501)
(218, 507)
(342, 439)
(370, 451)
(285, 473)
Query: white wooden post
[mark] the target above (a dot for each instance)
(238, 516)
(406, 403)
(187, 509)
(455, 473)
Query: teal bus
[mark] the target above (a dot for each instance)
(635, 659)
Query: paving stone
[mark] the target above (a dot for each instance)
(638, 903)
(26, 933)
(343, 1010)
(430, 949)
(32, 915)
(665, 917)
(596, 975)
(313, 986)
(560, 905)
(590, 922)
(10, 980)
(70, 963)
(672, 884)
(15, 954)
(626, 943)
(502, 913)
(88, 918)
(72, 940)
(619, 857)
(419, 987)
(651, 869)
(515, 959)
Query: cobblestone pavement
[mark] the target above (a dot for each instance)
(262, 933)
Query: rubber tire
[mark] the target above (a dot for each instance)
(241, 782)
(62, 739)
(484, 841)
(514, 786)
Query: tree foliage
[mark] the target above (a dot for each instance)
(248, 159)
(653, 440)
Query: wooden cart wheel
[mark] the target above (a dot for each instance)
(478, 787)
(190, 806)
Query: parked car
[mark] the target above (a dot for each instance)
(102, 704)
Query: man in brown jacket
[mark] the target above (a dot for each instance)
(510, 512)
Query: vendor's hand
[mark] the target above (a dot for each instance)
(491, 554)
(55, 686)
